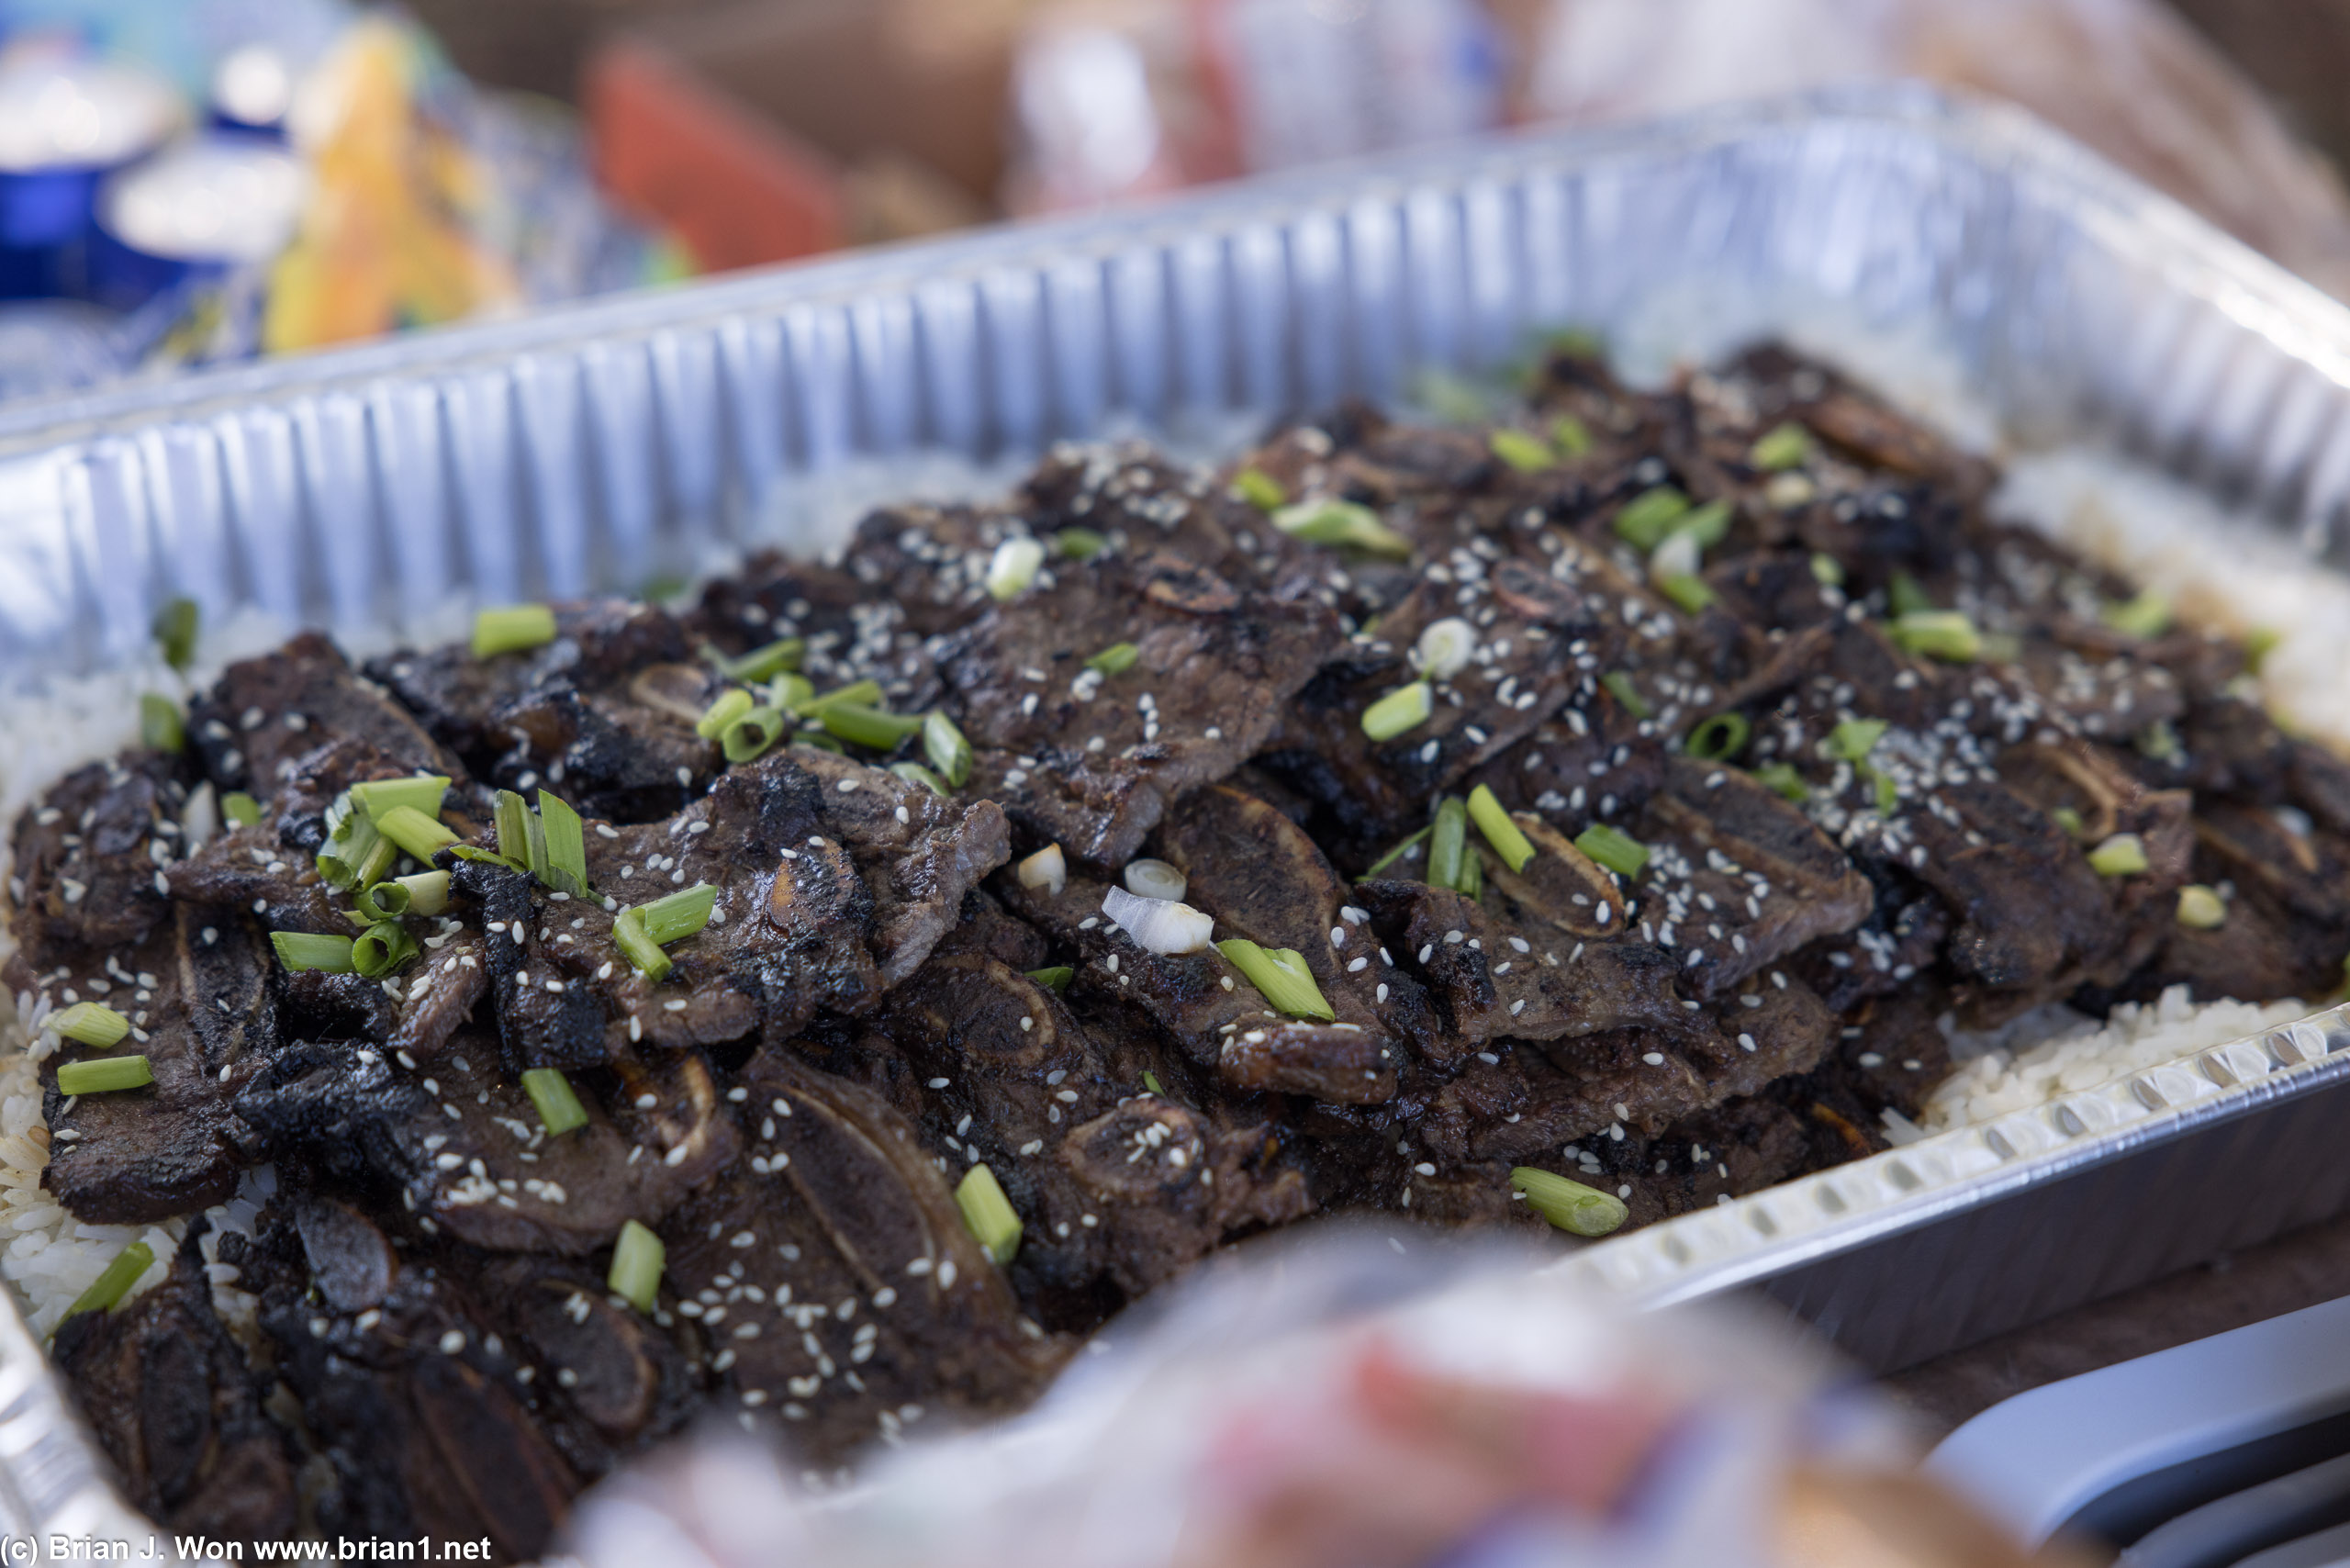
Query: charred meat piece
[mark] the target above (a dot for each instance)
(850, 1295)
(266, 713)
(87, 856)
(174, 1405)
(1092, 760)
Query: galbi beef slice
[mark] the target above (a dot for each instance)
(265, 713)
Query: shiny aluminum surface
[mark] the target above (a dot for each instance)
(597, 446)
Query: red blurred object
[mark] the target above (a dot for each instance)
(736, 188)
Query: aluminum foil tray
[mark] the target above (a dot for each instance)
(599, 446)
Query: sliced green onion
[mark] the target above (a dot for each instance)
(1115, 660)
(513, 629)
(1448, 842)
(748, 738)
(160, 727)
(382, 949)
(1783, 781)
(240, 808)
(916, 773)
(1827, 570)
(1151, 1083)
(638, 1258)
(1619, 851)
(628, 935)
(1647, 516)
(1707, 524)
(763, 663)
(2258, 644)
(731, 704)
(1258, 488)
(1403, 710)
(1689, 591)
(1719, 738)
(558, 1106)
(1013, 567)
(1509, 840)
(680, 914)
(790, 692)
(870, 727)
(2148, 615)
(988, 1213)
(2201, 907)
(1785, 446)
(1882, 789)
(1570, 436)
(1905, 597)
(814, 735)
(1526, 453)
(1853, 739)
(948, 752)
(356, 855)
(1281, 975)
(415, 832)
(303, 950)
(104, 1076)
(94, 1023)
(422, 792)
(1470, 884)
(1570, 1206)
(512, 816)
(860, 693)
(2069, 819)
(1398, 853)
(428, 891)
(1444, 649)
(1619, 686)
(1341, 522)
(1080, 543)
(1945, 635)
(1055, 978)
(115, 1281)
(2124, 855)
(176, 627)
(385, 900)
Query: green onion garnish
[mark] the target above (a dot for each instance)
(94, 1023)
(2069, 819)
(680, 914)
(1785, 446)
(303, 950)
(104, 1076)
(628, 935)
(1719, 738)
(1151, 1083)
(510, 814)
(860, 693)
(637, 1260)
(1258, 488)
(763, 663)
(1054, 979)
(1689, 591)
(175, 627)
(1080, 543)
(428, 891)
(1707, 524)
(1783, 781)
(1570, 1206)
(988, 1213)
(814, 735)
(382, 948)
(115, 1281)
(1853, 739)
(731, 705)
(2201, 907)
(1619, 851)
(513, 629)
(240, 808)
(790, 692)
(414, 832)
(558, 1106)
(1647, 516)
(1448, 843)
(1470, 884)
(748, 738)
(1281, 975)
(1013, 567)
(385, 900)
(948, 752)
(356, 854)
(1882, 788)
(1570, 436)
(1398, 853)
(160, 728)
(870, 727)
(423, 792)
(1945, 635)
(1904, 597)
(1341, 522)
(2124, 855)
(1619, 686)
(2148, 615)
(1827, 570)
(1115, 660)
(1403, 710)
(916, 773)
(1526, 453)
(1508, 838)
